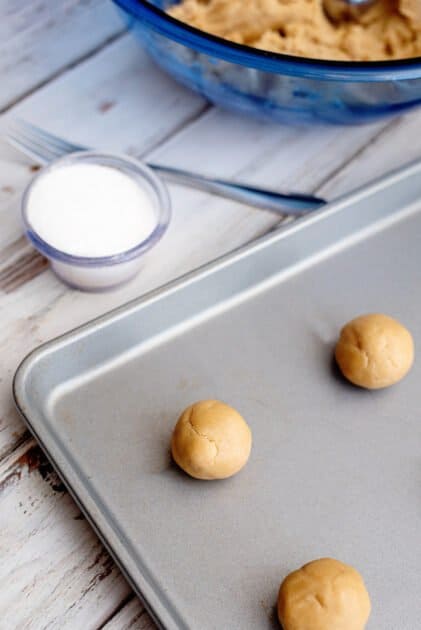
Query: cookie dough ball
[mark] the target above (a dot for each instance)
(323, 595)
(211, 440)
(374, 351)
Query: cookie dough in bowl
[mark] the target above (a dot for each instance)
(374, 351)
(323, 595)
(390, 29)
(211, 440)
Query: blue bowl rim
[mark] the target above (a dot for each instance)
(361, 71)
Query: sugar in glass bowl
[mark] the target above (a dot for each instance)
(94, 216)
(273, 86)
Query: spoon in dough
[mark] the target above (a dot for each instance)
(338, 10)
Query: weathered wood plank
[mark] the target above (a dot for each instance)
(40, 584)
(131, 617)
(150, 105)
(119, 101)
(39, 39)
(395, 147)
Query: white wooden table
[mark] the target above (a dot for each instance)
(69, 66)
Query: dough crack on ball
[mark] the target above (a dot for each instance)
(320, 600)
(323, 595)
(374, 351)
(211, 440)
(355, 341)
(366, 357)
(202, 435)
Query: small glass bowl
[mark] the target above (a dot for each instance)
(102, 272)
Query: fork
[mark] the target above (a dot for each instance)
(44, 147)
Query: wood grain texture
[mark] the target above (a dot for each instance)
(121, 73)
(39, 39)
(132, 616)
(115, 100)
(19, 263)
(54, 573)
(63, 550)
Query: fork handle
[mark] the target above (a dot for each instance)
(280, 203)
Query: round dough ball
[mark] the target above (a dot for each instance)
(323, 595)
(211, 440)
(374, 351)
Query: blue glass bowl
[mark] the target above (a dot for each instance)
(269, 85)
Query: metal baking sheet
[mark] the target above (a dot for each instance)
(335, 470)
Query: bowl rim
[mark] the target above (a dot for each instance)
(131, 167)
(279, 63)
